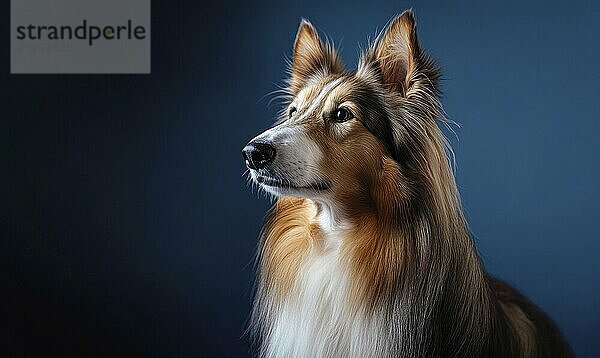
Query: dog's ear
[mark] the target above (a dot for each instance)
(311, 57)
(398, 59)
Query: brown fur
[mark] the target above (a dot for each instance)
(292, 233)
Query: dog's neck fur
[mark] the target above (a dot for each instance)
(400, 277)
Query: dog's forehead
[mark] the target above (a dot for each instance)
(311, 90)
(319, 91)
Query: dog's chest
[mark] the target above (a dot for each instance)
(317, 318)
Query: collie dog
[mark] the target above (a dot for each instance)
(366, 252)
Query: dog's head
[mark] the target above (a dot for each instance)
(344, 135)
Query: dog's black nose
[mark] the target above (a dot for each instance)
(258, 154)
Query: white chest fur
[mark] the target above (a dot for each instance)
(316, 319)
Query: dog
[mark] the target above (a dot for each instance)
(366, 251)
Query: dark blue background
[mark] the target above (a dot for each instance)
(126, 224)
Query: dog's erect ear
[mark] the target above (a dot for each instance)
(397, 52)
(399, 60)
(311, 57)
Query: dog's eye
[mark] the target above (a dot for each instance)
(292, 112)
(342, 115)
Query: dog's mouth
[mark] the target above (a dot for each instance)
(282, 184)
